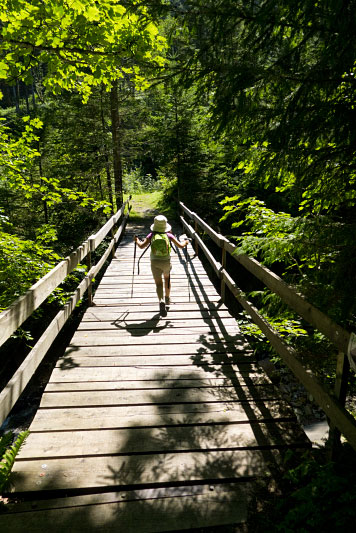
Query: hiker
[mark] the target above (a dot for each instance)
(160, 240)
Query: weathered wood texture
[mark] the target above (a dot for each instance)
(23, 307)
(339, 336)
(341, 421)
(167, 421)
(142, 510)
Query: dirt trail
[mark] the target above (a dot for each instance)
(141, 221)
(141, 209)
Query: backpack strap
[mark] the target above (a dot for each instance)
(139, 259)
(173, 246)
(145, 250)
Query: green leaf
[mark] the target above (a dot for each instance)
(92, 13)
(3, 69)
(8, 458)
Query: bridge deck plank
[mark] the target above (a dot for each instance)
(171, 414)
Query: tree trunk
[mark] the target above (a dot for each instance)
(45, 206)
(116, 143)
(179, 178)
(106, 155)
(16, 97)
(33, 92)
(100, 187)
(26, 98)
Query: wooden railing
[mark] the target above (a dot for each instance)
(23, 307)
(341, 422)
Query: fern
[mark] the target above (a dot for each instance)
(5, 442)
(8, 455)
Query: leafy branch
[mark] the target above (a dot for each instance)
(8, 455)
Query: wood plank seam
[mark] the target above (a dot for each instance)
(111, 420)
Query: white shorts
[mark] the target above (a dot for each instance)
(159, 267)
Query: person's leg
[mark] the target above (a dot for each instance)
(167, 288)
(157, 276)
(167, 280)
(159, 288)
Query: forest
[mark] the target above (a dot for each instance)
(245, 110)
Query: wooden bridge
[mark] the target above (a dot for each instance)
(151, 423)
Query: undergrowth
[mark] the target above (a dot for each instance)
(8, 454)
(317, 495)
(142, 202)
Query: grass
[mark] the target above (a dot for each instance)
(148, 205)
(144, 202)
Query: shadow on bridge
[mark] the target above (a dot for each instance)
(181, 451)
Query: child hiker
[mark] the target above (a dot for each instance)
(160, 239)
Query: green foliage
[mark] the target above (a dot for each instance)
(272, 236)
(169, 189)
(8, 454)
(77, 47)
(62, 294)
(281, 80)
(175, 145)
(315, 252)
(141, 203)
(289, 328)
(23, 336)
(318, 497)
(5, 442)
(18, 160)
(279, 237)
(136, 182)
(17, 155)
(22, 263)
(83, 45)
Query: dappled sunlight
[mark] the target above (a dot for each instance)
(154, 420)
(66, 361)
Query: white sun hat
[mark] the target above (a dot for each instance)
(160, 224)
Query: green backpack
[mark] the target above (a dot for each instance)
(160, 245)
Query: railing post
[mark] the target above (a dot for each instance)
(89, 264)
(223, 264)
(113, 237)
(340, 392)
(196, 245)
(181, 210)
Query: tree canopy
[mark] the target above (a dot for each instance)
(281, 78)
(248, 100)
(242, 109)
(83, 44)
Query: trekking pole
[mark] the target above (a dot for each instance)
(185, 251)
(133, 270)
(139, 259)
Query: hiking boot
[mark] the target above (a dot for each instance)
(162, 308)
(167, 300)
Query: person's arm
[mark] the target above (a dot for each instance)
(142, 244)
(178, 243)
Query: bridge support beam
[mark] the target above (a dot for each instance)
(340, 392)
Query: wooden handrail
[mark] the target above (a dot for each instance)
(14, 316)
(338, 335)
(216, 266)
(333, 406)
(102, 233)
